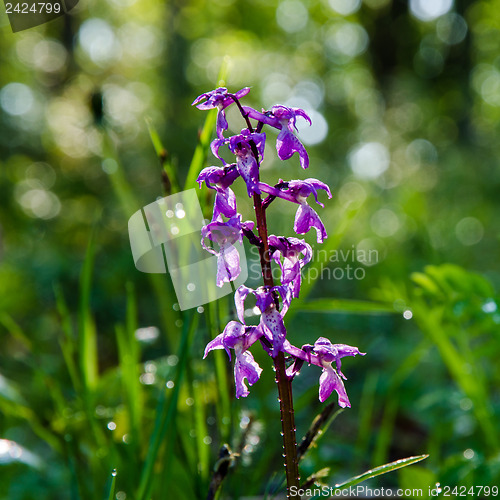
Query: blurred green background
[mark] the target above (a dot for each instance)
(98, 367)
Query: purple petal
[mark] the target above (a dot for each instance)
(303, 114)
(216, 343)
(215, 146)
(264, 298)
(286, 297)
(319, 185)
(252, 334)
(287, 144)
(228, 264)
(245, 367)
(304, 353)
(329, 382)
(249, 170)
(261, 117)
(242, 93)
(284, 194)
(273, 320)
(219, 178)
(345, 350)
(225, 204)
(221, 124)
(213, 99)
(239, 300)
(284, 113)
(305, 218)
(233, 334)
(205, 231)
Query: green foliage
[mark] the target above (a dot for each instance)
(382, 469)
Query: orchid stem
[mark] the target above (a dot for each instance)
(283, 381)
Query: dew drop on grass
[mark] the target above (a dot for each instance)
(114, 473)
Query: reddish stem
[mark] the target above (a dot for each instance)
(283, 381)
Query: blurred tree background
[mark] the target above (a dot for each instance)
(405, 102)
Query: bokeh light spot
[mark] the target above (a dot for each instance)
(369, 160)
(428, 10)
(345, 7)
(384, 222)
(469, 231)
(346, 39)
(292, 16)
(98, 40)
(16, 99)
(451, 28)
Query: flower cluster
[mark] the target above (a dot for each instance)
(291, 254)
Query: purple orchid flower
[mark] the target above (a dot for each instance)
(219, 99)
(219, 179)
(291, 254)
(290, 249)
(297, 191)
(284, 118)
(246, 163)
(271, 320)
(239, 337)
(323, 353)
(226, 234)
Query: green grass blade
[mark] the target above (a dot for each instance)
(112, 489)
(383, 469)
(67, 342)
(201, 152)
(129, 357)
(166, 412)
(15, 330)
(215, 313)
(128, 364)
(201, 431)
(163, 290)
(86, 329)
(162, 154)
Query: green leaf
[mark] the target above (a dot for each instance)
(426, 283)
(382, 469)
